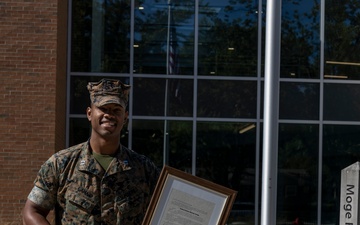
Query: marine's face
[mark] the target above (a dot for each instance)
(107, 121)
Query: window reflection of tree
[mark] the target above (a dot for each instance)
(342, 42)
(115, 43)
(297, 171)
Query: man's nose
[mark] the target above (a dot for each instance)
(109, 112)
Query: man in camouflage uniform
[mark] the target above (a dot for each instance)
(98, 181)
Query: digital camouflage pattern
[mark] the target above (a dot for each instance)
(108, 91)
(83, 193)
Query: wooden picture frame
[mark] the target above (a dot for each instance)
(181, 198)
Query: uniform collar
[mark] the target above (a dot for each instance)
(88, 163)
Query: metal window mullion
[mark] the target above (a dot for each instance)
(68, 72)
(258, 113)
(321, 108)
(131, 78)
(196, 52)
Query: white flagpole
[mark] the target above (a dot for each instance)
(271, 105)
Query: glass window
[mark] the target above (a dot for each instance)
(298, 173)
(179, 145)
(79, 130)
(226, 155)
(341, 102)
(299, 101)
(164, 44)
(234, 99)
(148, 139)
(180, 95)
(342, 44)
(341, 148)
(160, 28)
(149, 97)
(300, 39)
(228, 38)
(100, 36)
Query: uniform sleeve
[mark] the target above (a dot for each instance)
(153, 173)
(45, 185)
(42, 198)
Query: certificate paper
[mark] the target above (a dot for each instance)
(181, 198)
(183, 208)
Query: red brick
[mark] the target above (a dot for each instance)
(29, 77)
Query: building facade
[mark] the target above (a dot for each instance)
(33, 95)
(197, 74)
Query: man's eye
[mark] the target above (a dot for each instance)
(117, 111)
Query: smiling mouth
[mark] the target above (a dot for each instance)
(108, 123)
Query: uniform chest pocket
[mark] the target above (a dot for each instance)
(79, 199)
(132, 204)
(81, 202)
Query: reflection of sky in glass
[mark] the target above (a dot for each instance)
(301, 9)
(228, 11)
(182, 13)
(209, 12)
(299, 16)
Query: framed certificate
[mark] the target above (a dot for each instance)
(181, 198)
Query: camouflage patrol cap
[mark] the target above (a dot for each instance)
(108, 91)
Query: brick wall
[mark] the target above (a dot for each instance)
(31, 80)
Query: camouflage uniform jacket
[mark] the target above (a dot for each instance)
(83, 193)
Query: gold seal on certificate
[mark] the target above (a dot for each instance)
(181, 198)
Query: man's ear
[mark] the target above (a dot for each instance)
(88, 113)
(126, 117)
